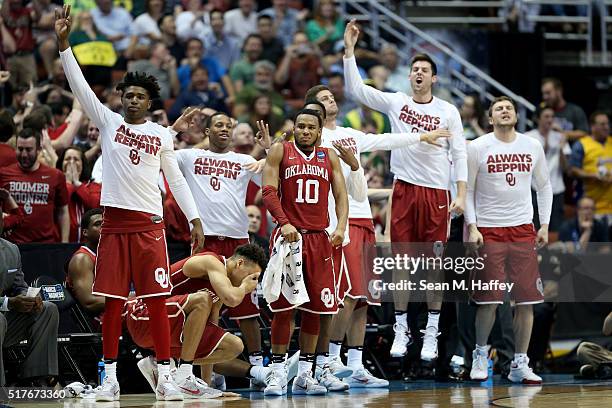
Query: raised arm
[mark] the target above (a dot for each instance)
(369, 142)
(340, 196)
(96, 111)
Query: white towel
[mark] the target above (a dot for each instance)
(284, 273)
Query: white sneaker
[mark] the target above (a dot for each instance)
(292, 366)
(108, 391)
(218, 381)
(305, 384)
(167, 389)
(338, 369)
(148, 368)
(191, 388)
(429, 351)
(401, 341)
(520, 372)
(480, 367)
(327, 379)
(276, 381)
(362, 378)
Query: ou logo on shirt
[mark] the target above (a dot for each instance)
(215, 183)
(510, 179)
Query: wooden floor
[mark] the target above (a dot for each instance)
(558, 391)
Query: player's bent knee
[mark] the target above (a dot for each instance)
(232, 344)
(200, 300)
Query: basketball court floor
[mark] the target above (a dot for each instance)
(558, 391)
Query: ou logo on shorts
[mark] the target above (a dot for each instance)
(162, 277)
(327, 298)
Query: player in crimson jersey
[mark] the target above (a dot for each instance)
(422, 175)
(298, 177)
(132, 246)
(503, 166)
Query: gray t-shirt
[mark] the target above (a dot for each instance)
(572, 117)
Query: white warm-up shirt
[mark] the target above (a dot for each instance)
(421, 164)
(133, 154)
(219, 183)
(500, 176)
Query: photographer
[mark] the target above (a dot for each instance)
(303, 61)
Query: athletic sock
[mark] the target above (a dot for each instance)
(401, 318)
(110, 369)
(258, 373)
(322, 359)
(256, 358)
(334, 348)
(278, 358)
(433, 319)
(185, 370)
(482, 350)
(355, 355)
(305, 363)
(520, 356)
(163, 367)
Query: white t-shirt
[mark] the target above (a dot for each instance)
(239, 26)
(133, 154)
(421, 164)
(144, 25)
(219, 183)
(500, 178)
(553, 156)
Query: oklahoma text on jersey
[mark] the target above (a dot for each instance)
(503, 163)
(207, 166)
(149, 144)
(306, 169)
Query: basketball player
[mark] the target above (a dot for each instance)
(501, 168)
(132, 246)
(353, 314)
(218, 178)
(301, 174)
(422, 172)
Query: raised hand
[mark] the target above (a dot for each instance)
(63, 23)
(351, 34)
(262, 137)
(432, 137)
(347, 156)
(184, 121)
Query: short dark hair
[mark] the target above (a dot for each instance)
(316, 102)
(265, 17)
(246, 40)
(85, 172)
(88, 215)
(312, 92)
(426, 58)
(311, 113)
(209, 119)
(253, 253)
(595, 114)
(141, 79)
(557, 84)
(501, 99)
(7, 126)
(191, 39)
(27, 133)
(198, 67)
(215, 11)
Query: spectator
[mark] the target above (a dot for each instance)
(198, 93)
(263, 84)
(591, 162)
(472, 117)
(273, 48)
(557, 152)
(19, 21)
(83, 194)
(261, 109)
(243, 71)
(19, 102)
(584, 228)
(145, 25)
(286, 20)
(167, 27)
(44, 33)
(219, 44)
(194, 57)
(7, 131)
(162, 66)
(243, 139)
(592, 355)
(570, 119)
(367, 120)
(7, 47)
(87, 139)
(254, 214)
(398, 80)
(303, 62)
(326, 27)
(26, 318)
(192, 23)
(335, 83)
(40, 192)
(242, 21)
(114, 22)
(517, 14)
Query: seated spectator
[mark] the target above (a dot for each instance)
(26, 318)
(592, 355)
(254, 214)
(198, 93)
(145, 25)
(300, 68)
(114, 22)
(193, 22)
(367, 120)
(263, 84)
(88, 139)
(44, 33)
(243, 71)
(286, 20)
(273, 48)
(398, 80)
(472, 117)
(584, 228)
(242, 21)
(19, 21)
(261, 109)
(7, 131)
(591, 162)
(557, 153)
(195, 56)
(335, 83)
(167, 27)
(326, 27)
(570, 118)
(83, 194)
(219, 45)
(243, 139)
(162, 66)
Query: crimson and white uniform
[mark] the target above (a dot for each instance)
(499, 203)
(132, 240)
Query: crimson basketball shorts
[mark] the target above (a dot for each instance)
(318, 272)
(249, 307)
(139, 327)
(419, 214)
(510, 256)
(140, 258)
(361, 232)
(340, 271)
